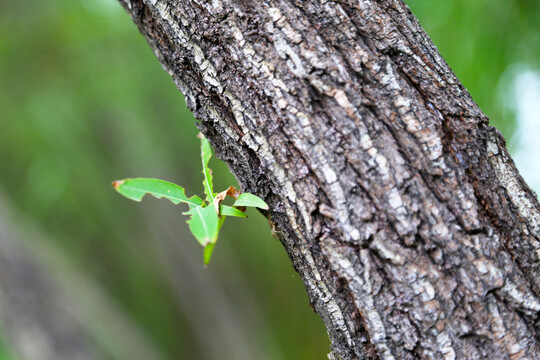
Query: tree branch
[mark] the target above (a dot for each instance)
(399, 206)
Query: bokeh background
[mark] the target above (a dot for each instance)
(87, 274)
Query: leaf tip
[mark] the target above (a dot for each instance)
(207, 253)
(116, 184)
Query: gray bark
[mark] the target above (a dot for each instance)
(399, 206)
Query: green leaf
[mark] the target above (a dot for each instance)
(207, 253)
(135, 189)
(247, 199)
(230, 211)
(221, 221)
(204, 224)
(206, 154)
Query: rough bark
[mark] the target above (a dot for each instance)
(399, 206)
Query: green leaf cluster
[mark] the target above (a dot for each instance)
(206, 216)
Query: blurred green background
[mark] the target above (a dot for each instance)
(83, 101)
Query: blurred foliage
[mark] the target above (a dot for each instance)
(83, 101)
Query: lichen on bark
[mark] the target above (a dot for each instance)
(396, 201)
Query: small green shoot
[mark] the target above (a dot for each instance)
(205, 216)
(247, 199)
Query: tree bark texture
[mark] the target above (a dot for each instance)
(400, 207)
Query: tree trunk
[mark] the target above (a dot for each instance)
(50, 311)
(37, 320)
(399, 206)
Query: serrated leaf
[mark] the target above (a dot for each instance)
(137, 188)
(247, 199)
(225, 210)
(204, 224)
(206, 154)
(207, 253)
